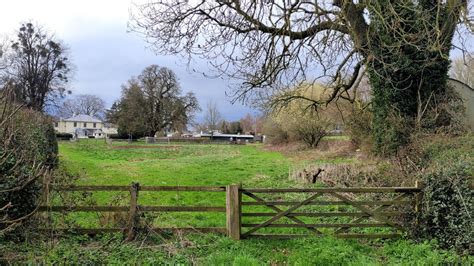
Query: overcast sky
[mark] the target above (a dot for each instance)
(104, 54)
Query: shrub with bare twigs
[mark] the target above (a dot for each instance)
(28, 151)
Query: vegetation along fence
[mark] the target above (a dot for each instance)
(351, 212)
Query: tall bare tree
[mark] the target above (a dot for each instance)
(212, 116)
(38, 66)
(276, 45)
(86, 104)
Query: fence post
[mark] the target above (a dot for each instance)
(418, 198)
(133, 218)
(233, 211)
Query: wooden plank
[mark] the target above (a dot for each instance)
(84, 208)
(320, 214)
(336, 189)
(92, 231)
(329, 202)
(114, 230)
(91, 188)
(368, 211)
(181, 209)
(335, 225)
(294, 219)
(132, 215)
(143, 188)
(291, 236)
(283, 213)
(233, 211)
(126, 208)
(184, 188)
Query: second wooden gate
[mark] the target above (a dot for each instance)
(342, 212)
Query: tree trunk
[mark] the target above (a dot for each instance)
(408, 77)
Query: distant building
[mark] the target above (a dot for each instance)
(84, 126)
(225, 137)
(467, 95)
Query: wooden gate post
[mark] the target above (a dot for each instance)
(419, 195)
(133, 218)
(233, 211)
(418, 199)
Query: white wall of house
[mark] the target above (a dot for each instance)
(84, 126)
(70, 126)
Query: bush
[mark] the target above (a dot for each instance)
(28, 150)
(448, 206)
(445, 164)
(274, 134)
(447, 209)
(359, 127)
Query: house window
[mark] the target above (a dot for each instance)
(85, 124)
(95, 125)
(75, 124)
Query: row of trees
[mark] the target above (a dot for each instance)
(85, 104)
(151, 103)
(213, 121)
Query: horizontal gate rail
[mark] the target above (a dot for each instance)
(126, 208)
(335, 189)
(336, 225)
(94, 231)
(142, 188)
(349, 235)
(334, 202)
(320, 214)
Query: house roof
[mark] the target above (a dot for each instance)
(83, 118)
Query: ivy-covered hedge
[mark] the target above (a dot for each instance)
(28, 150)
(446, 167)
(447, 208)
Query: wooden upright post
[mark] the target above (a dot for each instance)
(418, 198)
(233, 211)
(132, 215)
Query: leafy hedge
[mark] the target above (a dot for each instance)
(28, 150)
(447, 209)
(448, 201)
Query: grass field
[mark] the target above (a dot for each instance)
(96, 163)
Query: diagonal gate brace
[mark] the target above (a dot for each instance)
(281, 214)
(372, 214)
(294, 219)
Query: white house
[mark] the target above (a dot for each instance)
(84, 126)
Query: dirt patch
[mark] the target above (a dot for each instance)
(145, 147)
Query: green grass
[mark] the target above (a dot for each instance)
(96, 163)
(210, 249)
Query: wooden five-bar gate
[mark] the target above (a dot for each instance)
(374, 212)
